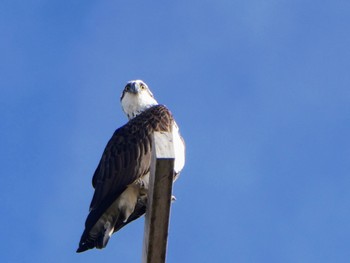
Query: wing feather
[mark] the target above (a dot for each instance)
(126, 158)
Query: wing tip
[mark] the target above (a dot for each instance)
(83, 246)
(90, 242)
(81, 249)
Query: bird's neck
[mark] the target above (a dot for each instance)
(133, 106)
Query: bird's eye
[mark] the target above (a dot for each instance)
(127, 87)
(142, 86)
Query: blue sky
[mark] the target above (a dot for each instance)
(260, 90)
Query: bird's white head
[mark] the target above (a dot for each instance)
(136, 98)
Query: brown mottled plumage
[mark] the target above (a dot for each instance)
(126, 159)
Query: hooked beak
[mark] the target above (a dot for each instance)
(134, 87)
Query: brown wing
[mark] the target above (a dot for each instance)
(126, 158)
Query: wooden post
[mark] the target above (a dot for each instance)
(159, 199)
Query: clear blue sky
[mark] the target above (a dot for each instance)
(260, 90)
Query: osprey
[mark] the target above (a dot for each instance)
(121, 178)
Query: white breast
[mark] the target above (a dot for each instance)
(135, 104)
(179, 149)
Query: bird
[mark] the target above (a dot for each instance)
(122, 176)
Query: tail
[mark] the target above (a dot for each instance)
(98, 235)
(88, 242)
